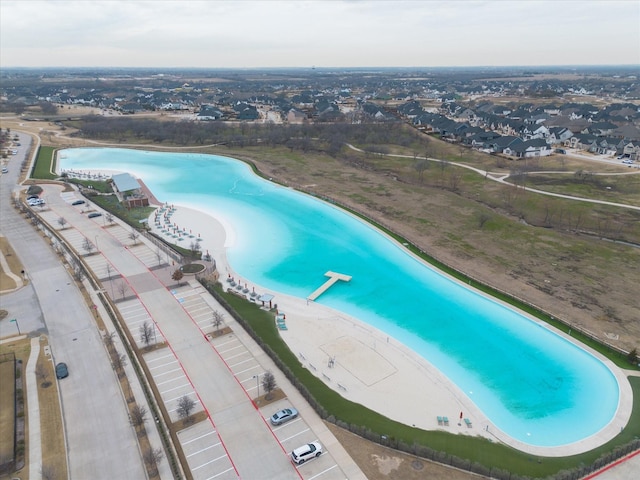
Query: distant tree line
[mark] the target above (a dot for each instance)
(327, 138)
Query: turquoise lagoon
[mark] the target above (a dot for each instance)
(534, 385)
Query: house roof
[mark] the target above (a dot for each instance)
(524, 146)
(125, 182)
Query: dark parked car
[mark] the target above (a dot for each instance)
(61, 370)
(284, 415)
(94, 214)
(78, 202)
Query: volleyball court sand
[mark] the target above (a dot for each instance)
(364, 364)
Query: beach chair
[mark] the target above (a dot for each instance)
(468, 422)
(440, 421)
(445, 420)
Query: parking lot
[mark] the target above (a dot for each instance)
(195, 366)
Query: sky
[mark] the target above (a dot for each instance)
(320, 33)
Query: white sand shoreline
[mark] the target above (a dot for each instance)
(371, 368)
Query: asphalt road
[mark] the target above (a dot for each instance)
(100, 441)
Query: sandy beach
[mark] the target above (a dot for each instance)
(364, 364)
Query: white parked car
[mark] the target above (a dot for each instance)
(306, 452)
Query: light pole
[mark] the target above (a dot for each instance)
(257, 377)
(97, 247)
(15, 320)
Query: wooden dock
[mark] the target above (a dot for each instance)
(333, 278)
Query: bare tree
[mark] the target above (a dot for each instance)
(268, 384)
(146, 333)
(122, 288)
(455, 177)
(138, 416)
(87, 245)
(62, 222)
(119, 361)
(217, 319)
(420, 166)
(78, 271)
(185, 407)
(108, 339)
(109, 218)
(152, 457)
(134, 235)
(177, 275)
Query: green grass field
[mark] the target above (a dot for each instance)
(7, 408)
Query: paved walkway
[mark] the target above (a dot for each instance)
(33, 409)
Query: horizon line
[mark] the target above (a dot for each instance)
(315, 67)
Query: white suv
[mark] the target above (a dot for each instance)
(305, 452)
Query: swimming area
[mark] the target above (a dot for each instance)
(534, 385)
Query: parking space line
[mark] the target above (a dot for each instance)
(205, 464)
(160, 358)
(236, 355)
(232, 348)
(323, 472)
(221, 473)
(247, 370)
(169, 381)
(163, 365)
(289, 423)
(222, 344)
(197, 438)
(204, 308)
(156, 375)
(294, 436)
(240, 363)
(204, 449)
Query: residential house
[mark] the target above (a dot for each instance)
(536, 147)
(533, 131)
(296, 116)
(582, 141)
(603, 128)
(209, 112)
(631, 150)
(558, 135)
(465, 115)
(499, 144)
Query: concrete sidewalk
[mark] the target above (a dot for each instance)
(33, 409)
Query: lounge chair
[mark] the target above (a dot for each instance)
(445, 420)
(440, 420)
(468, 422)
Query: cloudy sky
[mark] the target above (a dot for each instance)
(324, 33)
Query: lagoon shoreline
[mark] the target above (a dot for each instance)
(369, 367)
